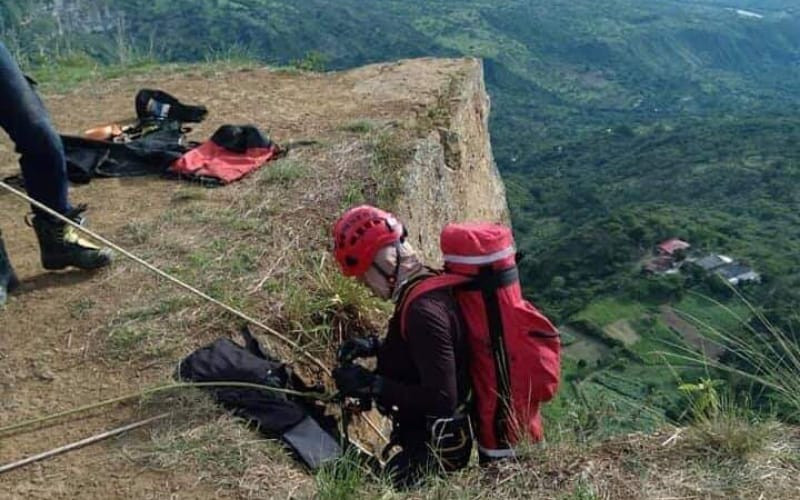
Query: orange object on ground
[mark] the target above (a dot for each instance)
(103, 133)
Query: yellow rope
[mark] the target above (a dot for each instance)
(183, 285)
(167, 276)
(162, 388)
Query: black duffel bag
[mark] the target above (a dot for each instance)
(298, 422)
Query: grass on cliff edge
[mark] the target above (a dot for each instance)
(260, 245)
(727, 447)
(65, 73)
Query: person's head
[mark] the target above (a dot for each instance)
(370, 245)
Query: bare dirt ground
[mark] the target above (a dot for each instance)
(623, 331)
(69, 339)
(690, 333)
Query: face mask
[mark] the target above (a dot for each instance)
(376, 283)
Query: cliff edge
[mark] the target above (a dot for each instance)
(411, 136)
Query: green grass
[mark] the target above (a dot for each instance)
(582, 490)
(80, 308)
(342, 479)
(158, 308)
(762, 360)
(313, 60)
(353, 195)
(188, 194)
(732, 432)
(360, 126)
(283, 172)
(609, 310)
(145, 341)
(136, 233)
(705, 310)
(125, 343)
(656, 338)
(67, 73)
(321, 305)
(147, 331)
(199, 438)
(389, 156)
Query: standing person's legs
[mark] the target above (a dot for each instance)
(8, 280)
(26, 121)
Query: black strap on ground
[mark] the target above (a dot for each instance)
(489, 282)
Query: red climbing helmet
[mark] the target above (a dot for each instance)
(360, 233)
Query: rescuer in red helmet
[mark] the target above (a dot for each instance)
(421, 379)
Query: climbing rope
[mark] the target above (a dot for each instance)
(168, 387)
(185, 286)
(80, 444)
(169, 277)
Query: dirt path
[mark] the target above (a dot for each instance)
(68, 339)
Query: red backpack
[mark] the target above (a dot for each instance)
(515, 351)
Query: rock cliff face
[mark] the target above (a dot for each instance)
(452, 175)
(79, 16)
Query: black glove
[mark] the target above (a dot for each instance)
(363, 347)
(357, 381)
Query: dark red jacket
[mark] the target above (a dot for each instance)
(425, 375)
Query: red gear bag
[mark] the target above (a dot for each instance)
(514, 350)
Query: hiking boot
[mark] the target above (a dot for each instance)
(8, 280)
(61, 245)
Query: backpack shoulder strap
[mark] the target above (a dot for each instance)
(428, 285)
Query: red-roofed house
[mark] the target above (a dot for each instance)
(671, 246)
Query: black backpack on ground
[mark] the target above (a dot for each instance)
(299, 422)
(162, 106)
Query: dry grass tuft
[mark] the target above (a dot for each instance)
(217, 448)
(667, 464)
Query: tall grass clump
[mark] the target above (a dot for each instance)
(724, 426)
(757, 356)
(343, 479)
(323, 307)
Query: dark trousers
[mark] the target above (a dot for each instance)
(25, 119)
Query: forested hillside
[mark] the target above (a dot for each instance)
(556, 68)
